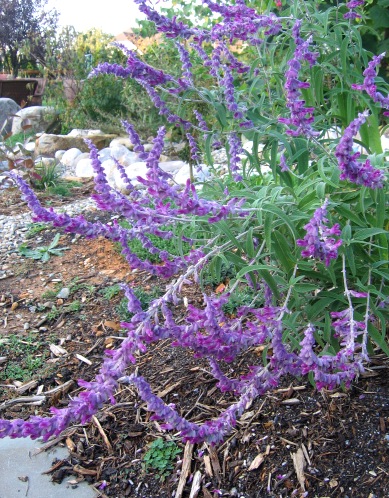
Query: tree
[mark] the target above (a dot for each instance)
(25, 26)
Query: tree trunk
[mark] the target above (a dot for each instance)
(13, 55)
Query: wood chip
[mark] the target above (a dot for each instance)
(186, 464)
(208, 467)
(299, 464)
(70, 444)
(82, 358)
(83, 471)
(103, 434)
(57, 350)
(26, 386)
(169, 389)
(258, 460)
(291, 401)
(215, 462)
(24, 400)
(196, 485)
(206, 493)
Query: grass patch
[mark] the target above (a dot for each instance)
(25, 358)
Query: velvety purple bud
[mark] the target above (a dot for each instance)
(283, 164)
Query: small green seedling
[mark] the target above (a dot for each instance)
(34, 228)
(43, 253)
(160, 457)
(111, 291)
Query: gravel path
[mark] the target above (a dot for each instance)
(14, 229)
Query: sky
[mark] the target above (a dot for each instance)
(111, 16)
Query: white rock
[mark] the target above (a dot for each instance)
(172, 167)
(30, 146)
(84, 133)
(45, 161)
(83, 155)
(38, 118)
(385, 142)
(184, 174)
(84, 168)
(69, 156)
(123, 155)
(59, 154)
(122, 141)
(104, 153)
(148, 147)
(109, 167)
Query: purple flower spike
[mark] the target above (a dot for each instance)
(319, 241)
(369, 85)
(301, 117)
(352, 170)
(235, 150)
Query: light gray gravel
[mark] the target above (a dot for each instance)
(14, 229)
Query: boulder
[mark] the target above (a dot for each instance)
(59, 154)
(70, 155)
(183, 174)
(77, 132)
(8, 108)
(122, 141)
(84, 168)
(47, 145)
(37, 118)
(123, 155)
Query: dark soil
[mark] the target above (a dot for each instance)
(332, 443)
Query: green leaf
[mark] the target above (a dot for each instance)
(250, 249)
(280, 214)
(366, 233)
(378, 338)
(283, 251)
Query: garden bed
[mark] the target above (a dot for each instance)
(341, 437)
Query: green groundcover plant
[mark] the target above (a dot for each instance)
(300, 217)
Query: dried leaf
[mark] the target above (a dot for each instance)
(220, 288)
(112, 325)
(71, 446)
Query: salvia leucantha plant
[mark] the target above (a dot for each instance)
(301, 216)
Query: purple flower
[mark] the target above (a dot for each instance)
(135, 139)
(235, 161)
(135, 69)
(352, 170)
(194, 150)
(351, 6)
(187, 78)
(301, 117)
(229, 92)
(369, 85)
(319, 241)
(283, 164)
